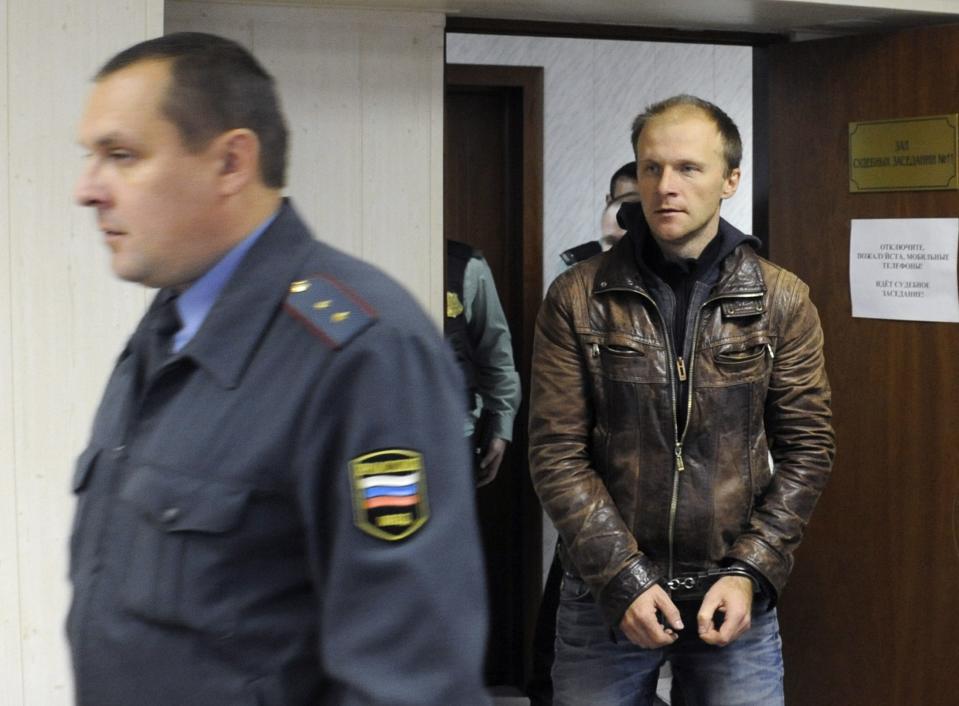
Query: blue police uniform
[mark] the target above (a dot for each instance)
(283, 512)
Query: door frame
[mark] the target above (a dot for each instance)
(528, 82)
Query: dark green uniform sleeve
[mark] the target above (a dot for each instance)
(497, 377)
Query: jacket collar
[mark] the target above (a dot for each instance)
(246, 305)
(740, 274)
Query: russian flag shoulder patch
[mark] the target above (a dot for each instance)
(389, 493)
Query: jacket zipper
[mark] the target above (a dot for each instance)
(680, 438)
(681, 369)
(678, 465)
(684, 374)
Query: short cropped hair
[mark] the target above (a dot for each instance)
(628, 197)
(627, 171)
(732, 142)
(216, 85)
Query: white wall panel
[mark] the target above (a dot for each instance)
(363, 94)
(10, 652)
(569, 147)
(402, 90)
(593, 90)
(319, 78)
(67, 315)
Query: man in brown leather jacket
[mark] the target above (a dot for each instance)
(667, 372)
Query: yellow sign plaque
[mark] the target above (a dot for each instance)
(908, 154)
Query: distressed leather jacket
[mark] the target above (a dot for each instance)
(634, 498)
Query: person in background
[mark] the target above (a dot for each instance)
(609, 224)
(621, 184)
(276, 503)
(478, 332)
(665, 373)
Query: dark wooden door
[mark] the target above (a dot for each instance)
(870, 615)
(493, 201)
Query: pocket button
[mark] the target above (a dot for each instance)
(169, 515)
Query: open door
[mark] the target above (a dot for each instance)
(493, 175)
(870, 615)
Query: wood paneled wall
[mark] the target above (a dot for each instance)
(869, 616)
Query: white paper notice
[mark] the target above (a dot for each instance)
(904, 269)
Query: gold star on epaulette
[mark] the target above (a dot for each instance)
(329, 309)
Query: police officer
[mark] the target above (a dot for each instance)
(270, 510)
(476, 328)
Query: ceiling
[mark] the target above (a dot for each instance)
(799, 19)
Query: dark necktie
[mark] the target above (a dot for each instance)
(156, 342)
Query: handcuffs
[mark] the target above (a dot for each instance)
(687, 587)
(688, 590)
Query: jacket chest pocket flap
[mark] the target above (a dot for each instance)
(745, 359)
(185, 537)
(624, 358)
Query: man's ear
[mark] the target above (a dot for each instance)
(731, 183)
(238, 152)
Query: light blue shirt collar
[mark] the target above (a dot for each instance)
(195, 303)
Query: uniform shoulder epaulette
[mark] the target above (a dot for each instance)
(330, 309)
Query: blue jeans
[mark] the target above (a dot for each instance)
(596, 666)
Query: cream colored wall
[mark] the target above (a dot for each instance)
(10, 652)
(62, 317)
(363, 93)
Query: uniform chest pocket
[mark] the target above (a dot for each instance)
(81, 477)
(184, 539)
(81, 472)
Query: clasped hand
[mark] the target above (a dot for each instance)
(730, 595)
